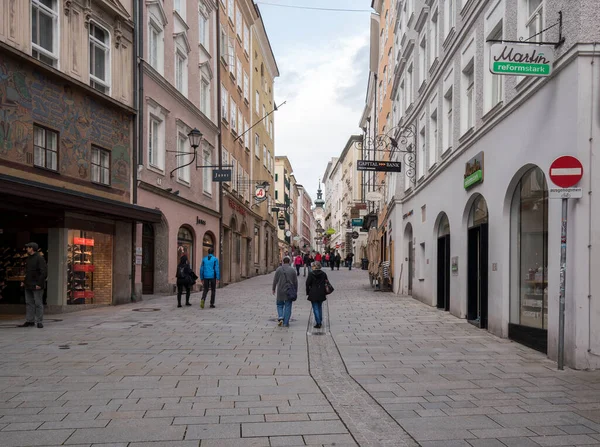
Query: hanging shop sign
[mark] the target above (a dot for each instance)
(474, 171)
(373, 196)
(330, 231)
(378, 166)
(521, 60)
(357, 222)
(355, 235)
(260, 193)
(221, 175)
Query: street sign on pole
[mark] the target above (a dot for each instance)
(565, 172)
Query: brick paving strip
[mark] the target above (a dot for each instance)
(368, 423)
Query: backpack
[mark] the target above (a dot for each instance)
(181, 272)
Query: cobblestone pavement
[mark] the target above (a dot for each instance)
(149, 374)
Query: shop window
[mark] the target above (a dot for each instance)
(100, 166)
(45, 147)
(89, 267)
(185, 244)
(529, 257)
(479, 213)
(207, 242)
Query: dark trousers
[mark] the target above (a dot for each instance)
(212, 285)
(298, 269)
(332, 263)
(180, 288)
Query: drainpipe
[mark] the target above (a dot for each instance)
(220, 139)
(590, 176)
(137, 129)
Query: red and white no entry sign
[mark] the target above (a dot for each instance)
(566, 171)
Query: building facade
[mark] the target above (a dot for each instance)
(67, 158)
(475, 231)
(284, 201)
(180, 86)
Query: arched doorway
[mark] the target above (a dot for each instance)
(443, 263)
(529, 261)
(410, 257)
(185, 244)
(147, 259)
(208, 242)
(227, 250)
(477, 263)
(244, 251)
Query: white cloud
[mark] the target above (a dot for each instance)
(319, 85)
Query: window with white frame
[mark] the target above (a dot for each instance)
(492, 84)
(234, 173)
(448, 119)
(264, 116)
(224, 48)
(403, 104)
(239, 24)
(233, 121)
(265, 152)
(183, 158)
(179, 7)
(181, 71)
(239, 73)
(257, 101)
(531, 19)
(156, 142)
(246, 86)
(99, 45)
(231, 55)
(44, 31)
(410, 8)
(45, 148)
(240, 123)
(422, 149)
(231, 9)
(205, 97)
(422, 60)
(433, 136)
(100, 166)
(497, 81)
(224, 103)
(207, 172)
(246, 135)
(434, 35)
(257, 146)
(271, 129)
(202, 29)
(225, 160)
(468, 81)
(155, 47)
(449, 16)
(409, 84)
(246, 39)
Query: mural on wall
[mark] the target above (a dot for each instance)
(28, 96)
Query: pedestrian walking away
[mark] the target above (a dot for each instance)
(185, 280)
(349, 258)
(285, 277)
(210, 275)
(332, 261)
(307, 261)
(36, 271)
(298, 261)
(315, 291)
(338, 259)
(318, 257)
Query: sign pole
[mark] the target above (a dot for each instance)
(563, 282)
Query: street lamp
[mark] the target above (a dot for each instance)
(195, 137)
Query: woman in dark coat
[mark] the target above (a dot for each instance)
(184, 279)
(315, 289)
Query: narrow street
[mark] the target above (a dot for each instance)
(386, 371)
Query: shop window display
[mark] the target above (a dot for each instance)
(529, 233)
(89, 269)
(185, 244)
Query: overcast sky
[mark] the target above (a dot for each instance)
(323, 63)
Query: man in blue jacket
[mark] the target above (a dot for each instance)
(210, 275)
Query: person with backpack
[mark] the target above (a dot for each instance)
(286, 283)
(315, 290)
(210, 275)
(349, 258)
(298, 261)
(185, 280)
(338, 259)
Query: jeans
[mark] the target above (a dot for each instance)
(318, 311)
(349, 265)
(34, 309)
(298, 269)
(332, 263)
(180, 288)
(210, 283)
(284, 311)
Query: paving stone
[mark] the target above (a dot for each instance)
(33, 438)
(564, 440)
(292, 428)
(215, 431)
(485, 443)
(286, 441)
(127, 434)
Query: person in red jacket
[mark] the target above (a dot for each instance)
(298, 261)
(318, 257)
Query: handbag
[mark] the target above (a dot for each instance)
(194, 277)
(328, 287)
(291, 292)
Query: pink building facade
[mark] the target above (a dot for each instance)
(179, 83)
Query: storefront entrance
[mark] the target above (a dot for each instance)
(529, 262)
(477, 264)
(410, 256)
(443, 264)
(147, 259)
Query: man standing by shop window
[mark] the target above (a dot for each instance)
(35, 282)
(210, 276)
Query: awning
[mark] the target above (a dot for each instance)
(74, 201)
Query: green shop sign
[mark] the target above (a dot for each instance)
(357, 222)
(521, 60)
(474, 171)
